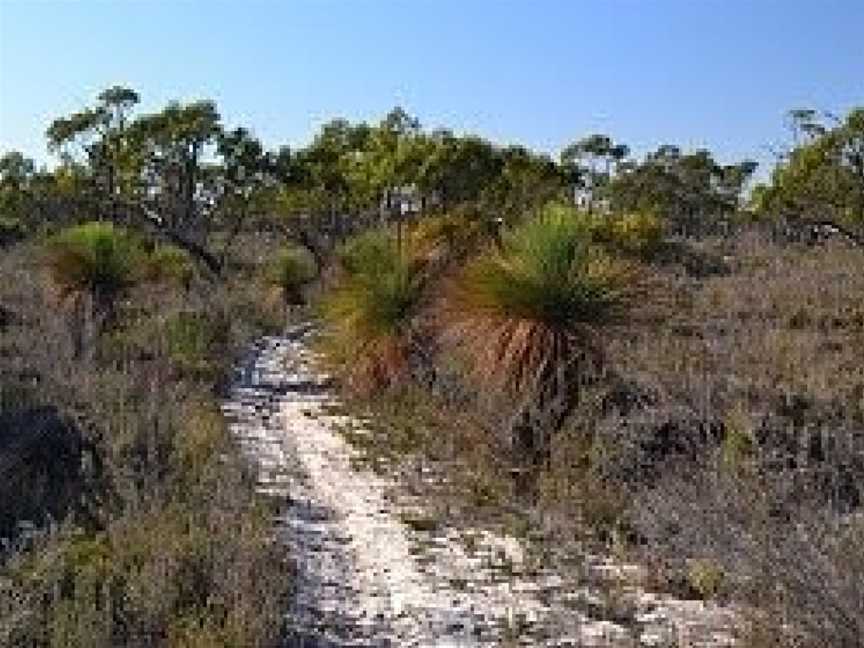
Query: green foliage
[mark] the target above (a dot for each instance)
(739, 444)
(529, 313)
(638, 234)
(823, 177)
(196, 341)
(705, 577)
(96, 258)
(547, 272)
(692, 191)
(369, 312)
(369, 254)
(169, 264)
(293, 268)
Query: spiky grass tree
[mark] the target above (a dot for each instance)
(90, 266)
(290, 272)
(529, 313)
(369, 311)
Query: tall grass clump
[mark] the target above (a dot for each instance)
(528, 313)
(369, 311)
(90, 266)
(95, 258)
(291, 270)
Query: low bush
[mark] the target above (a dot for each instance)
(162, 539)
(169, 264)
(705, 578)
(292, 269)
(196, 341)
(638, 234)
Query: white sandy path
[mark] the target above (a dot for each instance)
(360, 580)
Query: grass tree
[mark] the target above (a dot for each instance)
(370, 310)
(90, 266)
(529, 312)
(290, 272)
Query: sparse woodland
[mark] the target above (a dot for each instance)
(648, 356)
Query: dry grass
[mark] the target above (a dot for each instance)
(720, 445)
(750, 442)
(788, 320)
(165, 541)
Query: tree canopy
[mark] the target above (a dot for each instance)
(185, 175)
(822, 178)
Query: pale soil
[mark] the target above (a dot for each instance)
(370, 575)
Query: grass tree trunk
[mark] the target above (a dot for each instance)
(84, 327)
(543, 411)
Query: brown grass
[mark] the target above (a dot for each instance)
(718, 445)
(166, 542)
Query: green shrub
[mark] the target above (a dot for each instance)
(705, 577)
(96, 258)
(169, 264)
(196, 341)
(532, 304)
(369, 312)
(637, 233)
(371, 254)
(292, 269)
(633, 233)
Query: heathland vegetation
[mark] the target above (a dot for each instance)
(651, 356)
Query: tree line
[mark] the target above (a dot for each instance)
(182, 173)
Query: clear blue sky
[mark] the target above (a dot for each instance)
(715, 73)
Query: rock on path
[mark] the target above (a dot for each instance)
(364, 577)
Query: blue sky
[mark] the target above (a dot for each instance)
(714, 73)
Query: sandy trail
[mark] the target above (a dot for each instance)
(365, 577)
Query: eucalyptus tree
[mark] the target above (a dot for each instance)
(16, 173)
(459, 168)
(690, 190)
(823, 177)
(526, 182)
(174, 142)
(590, 162)
(805, 124)
(35, 200)
(247, 183)
(101, 133)
(348, 169)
